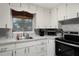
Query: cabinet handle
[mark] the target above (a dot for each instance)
(59, 49)
(12, 53)
(15, 53)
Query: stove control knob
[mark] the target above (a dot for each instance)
(59, 49)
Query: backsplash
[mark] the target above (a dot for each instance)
(21, 34)
(5, 33)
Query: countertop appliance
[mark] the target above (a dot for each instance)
(46, 31)
(51, 32)
(40, 32)
(68, 44)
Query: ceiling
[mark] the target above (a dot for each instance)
(48, 5)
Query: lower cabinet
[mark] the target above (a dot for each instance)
(34, 48)
(7, 49)
(20, 52)
(51, 47)
(6, 53)
(40, 50)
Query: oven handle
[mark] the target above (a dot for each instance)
(68, 43)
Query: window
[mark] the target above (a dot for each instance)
(22, 24)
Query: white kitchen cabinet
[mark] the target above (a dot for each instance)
(28, 7)
(58, 14)
(71, 11)
(43, 18)
(24, 7)
(20, 52)
(32, 51)
(6, 53)
(47, 18)
(39, 47)
(16, 6)
(7, 49)
(39, 18)
(5, 18)
(54, 18)
(62, 12)
(51, 47)
(65, 11)
(38, 50)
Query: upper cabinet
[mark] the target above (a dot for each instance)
(16, 6)
(71, 11)
(5, 18)
(61, 11)
(66, 11)
(54, 18)
(43, 18)
(23, 7)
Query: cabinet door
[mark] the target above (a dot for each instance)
(16, 6)
(51, 47)
(61, 16)
(5, 15)
(43, 18)
(71, 11)
(20, 52)
(32, 51)
(39, 18)
(54, 18)
(6, 53)
(40, 49)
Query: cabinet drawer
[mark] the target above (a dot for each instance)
(25, 44)
(7, 53)
(21, 45)
(32, 43)
(4, 48)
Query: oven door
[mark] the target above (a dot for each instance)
(65, 50)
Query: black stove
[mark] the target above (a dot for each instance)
(67, 45)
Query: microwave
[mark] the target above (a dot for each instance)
(48, 32)
(51, 32)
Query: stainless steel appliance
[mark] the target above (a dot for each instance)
(51, 32)
(46, 31)
(40, 32)
(68, 44)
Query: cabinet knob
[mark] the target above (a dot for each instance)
(12, 53)
(59, 49)
(15, 52)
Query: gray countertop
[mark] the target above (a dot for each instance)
(11, 41)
